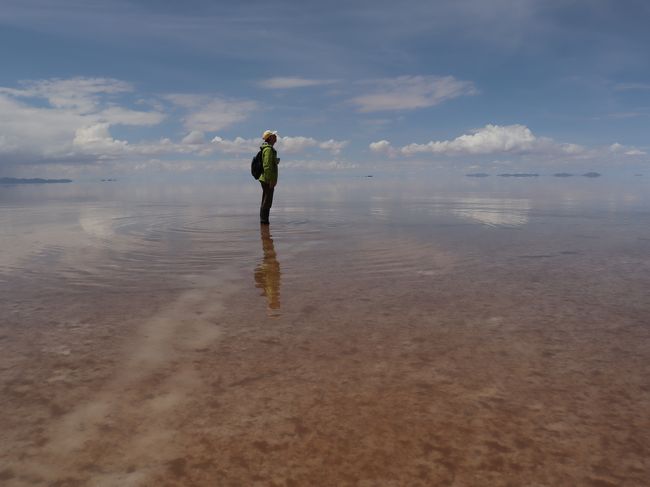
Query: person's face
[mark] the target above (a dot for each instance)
(272, 139)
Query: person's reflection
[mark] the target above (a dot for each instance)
(267, 273)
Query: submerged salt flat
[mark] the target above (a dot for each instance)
(381, 332)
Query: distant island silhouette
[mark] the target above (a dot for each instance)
(591, 174)
(32, 181)
(477, 175)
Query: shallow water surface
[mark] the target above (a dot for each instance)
(379, 332)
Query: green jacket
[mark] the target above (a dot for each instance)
(270, 164)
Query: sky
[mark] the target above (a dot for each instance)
(122, 87)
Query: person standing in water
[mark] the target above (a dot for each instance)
(269, 177)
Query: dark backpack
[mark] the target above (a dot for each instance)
(257, 167)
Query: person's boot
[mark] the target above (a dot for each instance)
(264, 216)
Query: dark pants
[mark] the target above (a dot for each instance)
(267, 201)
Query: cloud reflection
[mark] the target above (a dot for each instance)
(496, 212)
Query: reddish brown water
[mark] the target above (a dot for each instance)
(379, 334)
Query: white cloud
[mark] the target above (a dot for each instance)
(383, 147)
(125, 116)
(296, 144)
(380, 147)
(71, 120)
(488, 140)
(570, 149)
(632, 86)
(299, 144)
(78, 94)
(209, 114)
(74, 121)
(626, 150)
(219, 114)
(319, 165)
(334, 146)
(186, 100)
(238, 145)
(36, 131)
(491, 139)
(91, 134)
(280, 83)
(195, 137)
(412, 92)
(288, 144)
(97, 139)
(635, 152)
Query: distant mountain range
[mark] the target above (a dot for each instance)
(32, 181)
